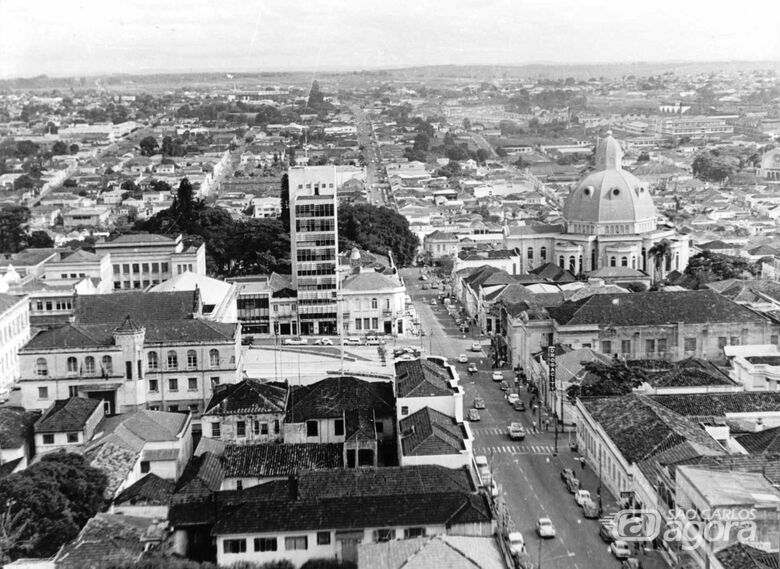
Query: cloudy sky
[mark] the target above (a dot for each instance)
(67, 37)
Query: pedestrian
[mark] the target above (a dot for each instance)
(533, 426)
(582, 462)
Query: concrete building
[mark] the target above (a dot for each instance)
(14, 333)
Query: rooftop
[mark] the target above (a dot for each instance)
(428, 432)
(248, 397)
(331, 397)
(67, 415)
(274, 460)
(725, 489)
(149, 490)
(451, 551)
(421, 378)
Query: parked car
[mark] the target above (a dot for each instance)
(607, 532)
(566, 474)
(297, 341)
(352, 341)
(374, 341)
(631, 563)
(590, 509)
(620, 549)
(473, 415)
(545, 527)
(463, 358)
(519, 405)
(483, 468)
(504, 386)
(516, 543)
(516, 431)
(323, 342)
(473, 368)
(580, 496)
(498, 376)
(573, 485)
(494, 488)
(434, 285)
(512, 398)
(476, 347)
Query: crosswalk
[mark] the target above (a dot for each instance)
(495, 431)
(514, 449)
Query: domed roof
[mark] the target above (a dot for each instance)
(609, 193)
(11, 276)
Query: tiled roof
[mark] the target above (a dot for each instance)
(8, 301)
(272, 460)
(67, 415)
(330, 397)
(747, 291)
(248, 397)
(766, 441)
(368, 281)
(135, 238)
(142, 306)
(766, 464)
(451, 551)
(106, 539)
(653, 309)
(149, 490)
(78, 256)
(154, 426)
(429, 432)
(640, 427)
(421, 378)
(742, 556)
(719, 404)
(16, 426)
(115, 461)
(202, 477)
(554, 273)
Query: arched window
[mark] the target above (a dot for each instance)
(214, 358)
(73, 365)
(108, 365)
(624, 262)
(572, 264)
(152, 361)
(173, 360)
(561, 261)
(633, 262)
(612, 262)
(192, 359)
(530, 253)
(543, 253)
(374, 303)
(41, 367)
(89, 365)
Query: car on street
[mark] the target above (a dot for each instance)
(476, 347)
(473, 415)
(374, 341)
(479, 403)
(519, 405)
(516, 431)
(433, 302)
(516, 543)
(352, 341)
(580, 496)
(512, 398)
(607, 532)
(498, 376)
(296, 341)
(323, 342)
(425, 286)
(590, 509)
(573, 485)
(483, 467)
(504, 386)
(463, 358)
(545, 527)
(494, 488)
(434, 285)
(473, 368)
(566, 474)
(620, 549)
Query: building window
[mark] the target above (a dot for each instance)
(735, 340)
(690, 344)
(662, 346)
(73, 438)
(108, 365)
(265, 543)
(214, 382)
(152, 361)
(264, 429)
(543, 253)
(164, 267)
(153, 386)
(214, 358)
(561, 261)
(411, 533)
(73, 391)
(234, 546)
(379, 426)
(241, 428)
(374, 303)
(358, 324)
(41, 367)
(296, 542)
(239, 484)
(89, 365)
(276, 426)
(192, 384)
(323, 538)
(606, 347)
(43, 393)
(722, 342)
(192, 359)
(650, 346)
(173, 360)
(612, 262)
(625, 346)
(73, 365)
(624, 261)
(375, 323)
(144, 467)
(366, 323)
(312, 428)
(173, 384)
(216, 431)
(48, 439)
(530, 253)
(173, 408)
(404, 410)
(339, 428)
(381, 535)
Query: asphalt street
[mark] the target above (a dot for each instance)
(527, 472)
(373, 161)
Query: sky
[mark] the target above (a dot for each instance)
(85, 37)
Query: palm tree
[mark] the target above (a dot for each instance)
(661, 252)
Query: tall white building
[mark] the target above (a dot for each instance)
(14, 333)
(314, 243)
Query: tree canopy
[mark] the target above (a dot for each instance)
(706, 267)
(13, 224)
(378, 229)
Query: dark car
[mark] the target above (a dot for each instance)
(566, 474)
(572, 485)
(519, 406)
(246, 340)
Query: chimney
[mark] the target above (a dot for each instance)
(196, 304)
(292, 487)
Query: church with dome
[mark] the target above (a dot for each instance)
(610, 227)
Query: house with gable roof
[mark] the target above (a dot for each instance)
(68, 423)
(17, 444)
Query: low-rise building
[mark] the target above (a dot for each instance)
(14, 333)
(67, 424)
(247, 412)
(17, 442)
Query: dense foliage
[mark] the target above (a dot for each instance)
(13, 222)
(706, 267)
(378, 229)
(47, 504)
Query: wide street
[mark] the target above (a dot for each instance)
(527, 472)
(366, 140)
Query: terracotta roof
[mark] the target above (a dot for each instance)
(106, 539)
(451, 551)
(766, 441)
(116, 462)
(747, 291)
(766, 464)
(8, 301)
(421, 378)
(369, 281)
(428, 432)
(273, 460)
(331, 397)
(142, 306)
(720, 404)
(554, 273)
(742, 556)
(149, 490)
(67, 415)
(202, 477)
(248, 397)
(154, 426)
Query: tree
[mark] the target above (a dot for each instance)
(59, 148)
(13, 223)
(466, 124)
(160, 186)
(74, 148)
(661, 253)
(316, 97)
(40, 239)
(149, 146)
(482, 155)
(644, 156)
(450, 170)
(501, 152)
(184, 202)
(712, 167)
(379, 230)
(284, 216)
(708, 267)
(24, 182)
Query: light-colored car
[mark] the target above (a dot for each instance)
(433, 302)
(463, 358)
(498, 375)
(476, 347)
(516, 543)
(494, 488)
(479, 403)
(323, 342)
(512, 398)
(580, 496)
(374, 341)
(545, 527)
(297, 341)
(620, 549)
(473, 415)
(516, 431)
(473, 368)
(483, 468)
(352, 342)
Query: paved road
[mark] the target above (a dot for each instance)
(373, 159)
(527, 472)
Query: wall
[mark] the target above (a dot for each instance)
(228, 430)
(14, 333)
(447, 460)
(451, 406)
